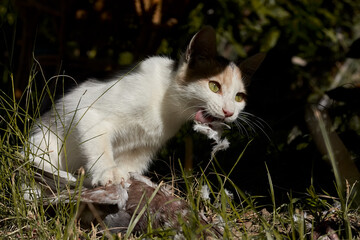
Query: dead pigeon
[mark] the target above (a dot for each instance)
(114, 207)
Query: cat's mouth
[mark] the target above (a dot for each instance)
(206, 118)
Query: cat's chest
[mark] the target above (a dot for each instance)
(149, 129)
(138, 138)
(150, 123)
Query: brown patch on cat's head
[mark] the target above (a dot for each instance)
(226, 77)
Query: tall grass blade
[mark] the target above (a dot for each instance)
(136, 216)
(330, 151)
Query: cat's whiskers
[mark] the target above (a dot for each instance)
(196, 107)
(253, 122)
(249, 124)
(258, 119)
(241, 128)
(191, 117)
(191, 105)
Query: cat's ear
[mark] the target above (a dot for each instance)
(202, 46)
(250, 65)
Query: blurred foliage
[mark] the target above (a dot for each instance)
(306, 41)
(310, 25)
(125, 32)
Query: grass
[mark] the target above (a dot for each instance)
(235, 214)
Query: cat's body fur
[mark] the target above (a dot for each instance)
(115, 127)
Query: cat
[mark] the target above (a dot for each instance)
(115, 127)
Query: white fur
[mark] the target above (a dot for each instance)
(214, 134)
(115, 127)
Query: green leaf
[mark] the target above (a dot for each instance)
(279, 13)
(330, 33)
(270, 40)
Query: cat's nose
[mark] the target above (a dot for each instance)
(227, 113)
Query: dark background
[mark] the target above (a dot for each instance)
(97, 38)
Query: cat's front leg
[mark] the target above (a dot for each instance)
(104, 170)
(109, 175)
(99, 158)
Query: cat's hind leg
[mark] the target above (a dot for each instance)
(44, 149)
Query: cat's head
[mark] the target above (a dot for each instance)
(215, 86)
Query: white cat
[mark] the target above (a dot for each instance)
(115, 127)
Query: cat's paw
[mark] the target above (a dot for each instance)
(114, 175)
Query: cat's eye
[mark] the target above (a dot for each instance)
(214, 86)
(240, 97)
